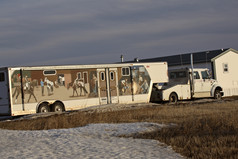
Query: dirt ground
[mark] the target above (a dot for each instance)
(118, 107)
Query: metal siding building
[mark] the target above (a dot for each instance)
(222, 63)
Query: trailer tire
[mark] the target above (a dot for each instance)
(43, 108)
(173, 98)
(58, 107)
(217, 94)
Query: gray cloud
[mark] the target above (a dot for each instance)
(50, 32)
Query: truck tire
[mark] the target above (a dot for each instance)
(58, 107)
(43, 108)
(217, 94)
(173, 98)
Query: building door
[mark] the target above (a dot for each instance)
(4, 93)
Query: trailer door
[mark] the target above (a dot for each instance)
(113, 84)
(102, 86)
(4, 94)
(108, 85)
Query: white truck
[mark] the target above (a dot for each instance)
(182, 86)
(29, 90)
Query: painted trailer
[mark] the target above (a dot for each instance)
(29, 90)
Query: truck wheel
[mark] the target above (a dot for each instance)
(173, 98)
(58, 107)
(43, 108)
(217, 94)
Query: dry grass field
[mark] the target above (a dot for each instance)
(208, 130)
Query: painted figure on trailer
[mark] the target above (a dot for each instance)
(50, 86)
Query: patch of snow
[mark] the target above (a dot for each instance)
(91, 141)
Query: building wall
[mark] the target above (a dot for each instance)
(199, 65)
(226, 67)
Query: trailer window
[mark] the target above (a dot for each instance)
(49, 72)
(125, 71)
(2, 77)
(112, 76)
(102, 76)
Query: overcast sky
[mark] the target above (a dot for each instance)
(55, 32)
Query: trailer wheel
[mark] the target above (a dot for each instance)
(58, 107)
(173, 98)
(217, 94)
(43, 108)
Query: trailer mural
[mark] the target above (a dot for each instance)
(41, 89)
(39, 85)
(134, 80)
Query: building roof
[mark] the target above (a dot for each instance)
(184, 59)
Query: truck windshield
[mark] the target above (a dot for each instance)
(205, 75)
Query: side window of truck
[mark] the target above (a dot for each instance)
(181, 74)
(2, 77)
(172, 75)
(196, 75)
(205, 75)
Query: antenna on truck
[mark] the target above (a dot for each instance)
(192, 84)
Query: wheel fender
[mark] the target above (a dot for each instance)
(214, 87)
(166, 94)
(173, 93)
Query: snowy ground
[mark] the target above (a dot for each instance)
(92, 141)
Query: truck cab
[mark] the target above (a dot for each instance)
(202, 83)
(182, 85)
